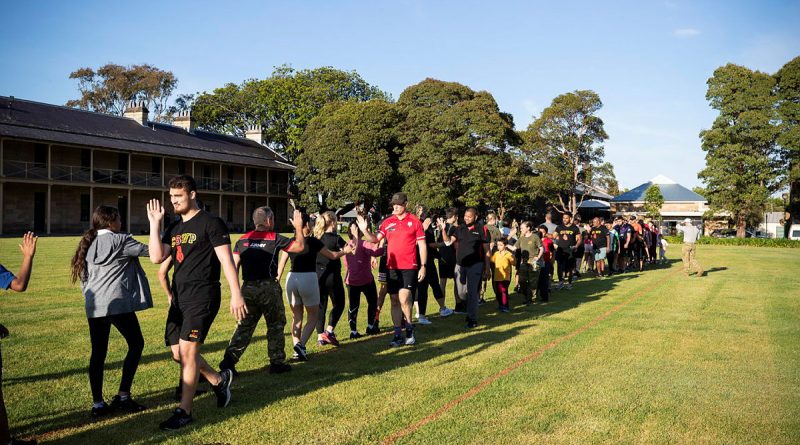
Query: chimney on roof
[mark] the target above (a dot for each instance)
(136, 111)
(184, 120)
(253, 133)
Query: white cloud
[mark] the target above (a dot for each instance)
(685, 32)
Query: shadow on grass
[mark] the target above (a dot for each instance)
(254, 389)
(208, 348)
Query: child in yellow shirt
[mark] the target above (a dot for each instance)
(502, 261)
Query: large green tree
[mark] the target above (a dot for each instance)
(109, 88)
(350, 155)
(283, 104)
(788, 92)
(449, 135)
(744, 164)
(564, 144)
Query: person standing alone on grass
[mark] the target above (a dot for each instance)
(404, 235)
(256, 253)
(567, 238)
(114, 288)
(199, 245)
(18, 283)
(690, 236)
(472, 259)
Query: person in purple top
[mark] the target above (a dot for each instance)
(359, 279)
(18, 283)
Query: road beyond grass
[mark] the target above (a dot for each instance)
(637, 358)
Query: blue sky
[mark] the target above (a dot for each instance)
(648, 60)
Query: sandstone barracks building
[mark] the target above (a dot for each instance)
(57, 164)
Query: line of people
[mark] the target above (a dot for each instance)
(405, 249)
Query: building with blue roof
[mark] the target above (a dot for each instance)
(679, 202)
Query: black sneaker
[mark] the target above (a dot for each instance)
(301, 352)
(471, 324)
(223, 390)
(127, 405)
(397, 341)
(104, 410)
(15, 441)
(227, 363)
(279, 368)
(355, 335)
(373, 330)
(177, 420)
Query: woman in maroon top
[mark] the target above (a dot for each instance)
(359, 279)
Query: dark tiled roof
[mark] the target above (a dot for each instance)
(671, 192)
(57, 124)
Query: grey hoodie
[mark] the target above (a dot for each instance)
(116, 282)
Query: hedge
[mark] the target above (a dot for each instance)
(751, 242)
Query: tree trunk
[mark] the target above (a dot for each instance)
(741, 225)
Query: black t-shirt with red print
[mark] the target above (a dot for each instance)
(258, 254)
(192, 246)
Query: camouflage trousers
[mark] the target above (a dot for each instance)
(263, 298)
(528, 282)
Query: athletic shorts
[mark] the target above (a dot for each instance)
(447, 270)
(600, 254)
(302, 289)
(382, 269)
(401, 279)
(191, 320)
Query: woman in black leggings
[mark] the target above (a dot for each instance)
(114, 287)
(330, 279)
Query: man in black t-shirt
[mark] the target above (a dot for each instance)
(472, 260)
(199, 245)
(567, 237)
(600, 242)
(256, 253)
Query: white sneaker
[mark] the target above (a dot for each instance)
(445, 312)
(423, 320)
(411, 340)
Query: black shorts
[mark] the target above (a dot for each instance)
(565, 260)
(191, 319)
(401, 279)
(447, 270)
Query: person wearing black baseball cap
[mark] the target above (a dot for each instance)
(404, 235)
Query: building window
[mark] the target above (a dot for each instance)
(40, 153)
(230, 211)
(85, 207)
(86, 158)
(181, 167)
(155, 165)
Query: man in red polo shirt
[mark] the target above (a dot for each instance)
(403, 233)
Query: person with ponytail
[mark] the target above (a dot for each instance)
(329, 273)
(114, 287)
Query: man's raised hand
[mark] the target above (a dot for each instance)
(362, 223)
(28, 246)
(155, 212)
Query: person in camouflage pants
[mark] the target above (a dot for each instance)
(263, 298)
(255, 253)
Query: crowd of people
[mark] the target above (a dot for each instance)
(413, 251)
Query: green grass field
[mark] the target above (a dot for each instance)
(638, 358)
